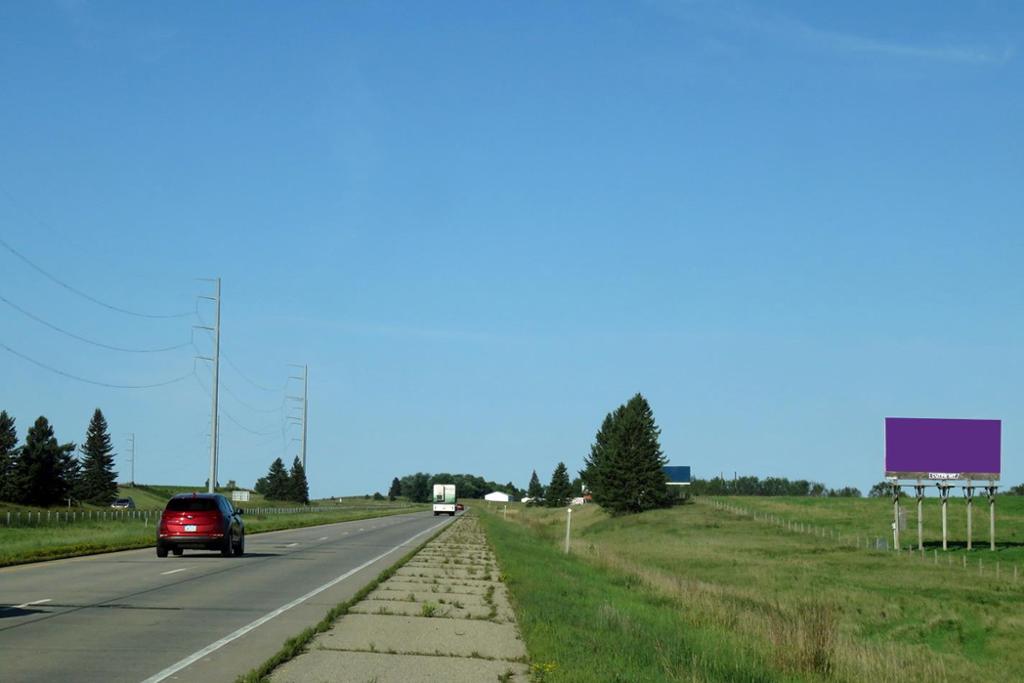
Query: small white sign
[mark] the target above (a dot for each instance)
(943, 475)
(240, 496)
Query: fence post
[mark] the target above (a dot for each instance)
(568, 526)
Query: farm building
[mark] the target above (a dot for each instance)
(498, 497)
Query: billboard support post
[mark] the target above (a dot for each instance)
(991, 490)
(969, 496)
(896, 515)
(919, 490)
(944, 498)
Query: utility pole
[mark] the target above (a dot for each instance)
(215, 385)
(131, 460)
(305, 406)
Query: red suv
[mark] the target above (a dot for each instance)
(207, 521)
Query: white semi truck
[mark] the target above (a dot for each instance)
(444, 499)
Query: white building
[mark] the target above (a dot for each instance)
(498, 497)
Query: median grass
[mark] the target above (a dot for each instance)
(699, 593)
(19, 545)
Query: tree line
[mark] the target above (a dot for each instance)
(769, 486)
(43, 472)
(419, 487)
(282, 484)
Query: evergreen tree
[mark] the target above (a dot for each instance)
(98, 482)
(560, 487)
(277, 484)
(625, 469)
(298, 487)
(44, 472)
(261, 487)
(8, 455)
(396, 489)
(600, 451)
(535, 489)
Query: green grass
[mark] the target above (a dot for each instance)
(19, 545)
(872, 517)
(678, 594)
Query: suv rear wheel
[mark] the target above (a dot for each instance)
(240, 546)
(225, 550)
(178, 551)
(161, 550)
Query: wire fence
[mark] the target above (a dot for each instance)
(39, 518)
(994, 569)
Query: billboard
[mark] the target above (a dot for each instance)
(677, 475)
(938, 449)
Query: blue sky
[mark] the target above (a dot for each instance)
(485, 225)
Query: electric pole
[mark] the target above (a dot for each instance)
(131, 459)
(215, 386)
(305, 406)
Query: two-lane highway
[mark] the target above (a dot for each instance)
(131, 616)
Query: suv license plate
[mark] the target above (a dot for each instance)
(190, 527)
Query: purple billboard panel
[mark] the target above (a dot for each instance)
(926, 448)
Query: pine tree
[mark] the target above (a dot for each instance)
(535, 489)
(262, 487)
(8, 456)
(44, 472)
(396, 489)
(560, 487)
(298, 487)
(625, 469)
(277, 484)
(595, 466)
(98, 483)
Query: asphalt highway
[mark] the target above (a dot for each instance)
(131, 616)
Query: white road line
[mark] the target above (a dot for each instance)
(322, 538)
(34, 602)
(291, 545)
(235, 635)
(174, 571)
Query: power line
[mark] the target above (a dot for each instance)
(254, 409)
(230, 417)
(237, 369)
(82, 294)
(89, 381)
(39, 320)
(227, 389)
(252, 382)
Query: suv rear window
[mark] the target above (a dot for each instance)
(191, 504)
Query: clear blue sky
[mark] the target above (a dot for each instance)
(485, 225)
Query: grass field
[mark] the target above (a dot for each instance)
(30, 544)
(701, 593)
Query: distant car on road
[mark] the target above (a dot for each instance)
(123, 504)
(205, 521)
(459, 507)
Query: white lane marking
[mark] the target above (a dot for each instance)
(34, 602)
(322, 538)
(235, 635)
(175, 571)
(291, 545)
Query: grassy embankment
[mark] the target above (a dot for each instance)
(20, 544)
(699, 593)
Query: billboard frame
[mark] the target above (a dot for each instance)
(942, 483)
(934, 476)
